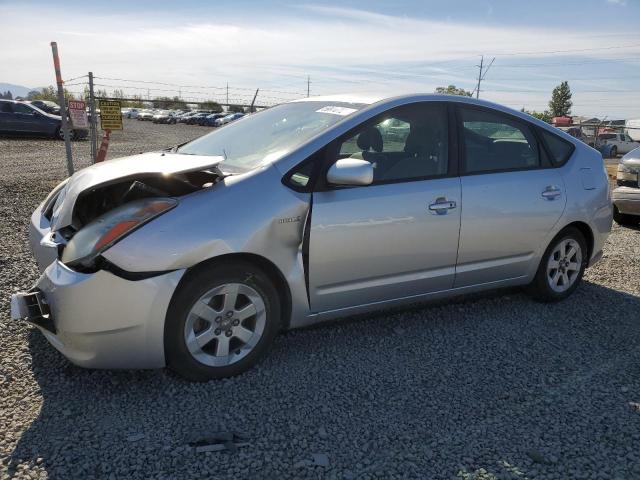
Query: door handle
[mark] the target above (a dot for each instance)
(441, 205)
(551, 192)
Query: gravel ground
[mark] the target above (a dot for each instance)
(485, 387)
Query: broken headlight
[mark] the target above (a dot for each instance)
(110, 227)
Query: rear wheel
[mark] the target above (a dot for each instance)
(221, 322)
(561, 268)
(60, 134)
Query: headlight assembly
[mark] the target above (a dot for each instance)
(110, 227)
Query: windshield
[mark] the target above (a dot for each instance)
(270, 134)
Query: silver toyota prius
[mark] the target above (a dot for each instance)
(197, 256)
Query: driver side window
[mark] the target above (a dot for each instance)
(20, 108)
(408, 143)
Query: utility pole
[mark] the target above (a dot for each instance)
(227, 95)
(479, 77)
(253, 102)
(63, 107)
(482, 74)
(308, 85)
(92, 125)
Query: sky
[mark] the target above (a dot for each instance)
(194, 49)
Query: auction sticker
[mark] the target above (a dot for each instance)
(335, 110)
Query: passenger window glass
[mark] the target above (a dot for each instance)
(20, 108)
(493, 142)
(559, 149)
(5, 107)
(409, 143)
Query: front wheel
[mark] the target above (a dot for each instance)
(221, 322)
(561, 268)
(624, 219)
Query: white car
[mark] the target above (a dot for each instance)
(626, 198)
(621, 142)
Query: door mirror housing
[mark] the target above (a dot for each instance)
(350, 171)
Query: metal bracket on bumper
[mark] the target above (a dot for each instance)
(32, 307)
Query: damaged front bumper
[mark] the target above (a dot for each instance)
(100, 320)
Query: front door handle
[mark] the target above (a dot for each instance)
(551, 192)
(441, 205)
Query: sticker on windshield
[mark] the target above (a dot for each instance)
(342, 111)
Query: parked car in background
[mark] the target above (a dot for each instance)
(626, 198)
(227, 119)
(131, 113)
(160, 116)
(195, 118)
(185, 117)
(620, 143)
(210, 119)
(192, 269)
(46, 106)
(146, 115)
(24, 118)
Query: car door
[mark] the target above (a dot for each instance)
(7, 117)
(27, 119)
(397, 237)
(512, 197)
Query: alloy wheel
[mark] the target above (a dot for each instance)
(225, 324)
(564, 265)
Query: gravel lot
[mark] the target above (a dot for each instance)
(484, 387)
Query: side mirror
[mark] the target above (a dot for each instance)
(350, 171)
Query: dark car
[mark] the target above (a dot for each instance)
(195, 119)
(210, 119)
(47, 106)
(24, 118)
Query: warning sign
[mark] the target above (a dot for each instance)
(110, 115)
(78, 114)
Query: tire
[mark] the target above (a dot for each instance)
(624, 219)
(198, 309)
(60, 134)
(545, 286)
(614, 152)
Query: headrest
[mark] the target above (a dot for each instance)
(370, 139)
(413, 145)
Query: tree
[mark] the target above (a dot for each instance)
(453, 90)
(235, 108)
(7, 95)
(49, 93)
(544, 116)
(560, 104)
(169, 103)
(211, 105)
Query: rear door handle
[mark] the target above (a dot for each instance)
(551, 192)
(441, 205)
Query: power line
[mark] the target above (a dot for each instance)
(573, 50)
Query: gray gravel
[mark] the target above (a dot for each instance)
(485, 387)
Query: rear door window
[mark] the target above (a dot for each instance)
(494, 142)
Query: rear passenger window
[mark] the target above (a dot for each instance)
(493, 142)
(559, 149)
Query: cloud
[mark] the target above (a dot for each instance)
(622, 3)
(341, 48)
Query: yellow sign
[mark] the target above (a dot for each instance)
(110, 115)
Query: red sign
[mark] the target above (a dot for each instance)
(78, 114)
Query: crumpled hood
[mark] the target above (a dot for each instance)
(100, 174)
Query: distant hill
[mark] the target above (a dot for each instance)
(16, 90)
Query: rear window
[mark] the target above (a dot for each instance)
(559, 149)
(607, 136)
